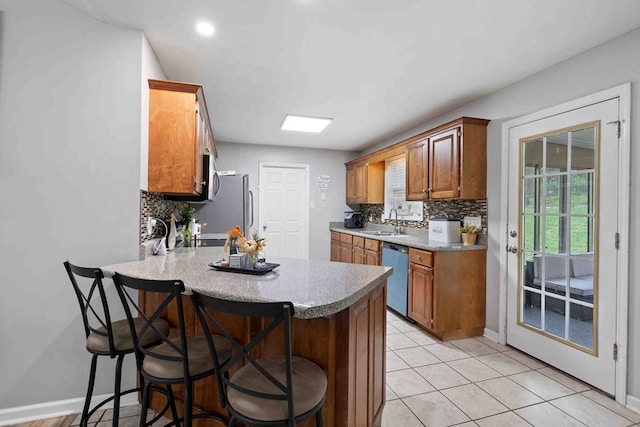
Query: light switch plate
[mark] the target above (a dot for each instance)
(472, 220)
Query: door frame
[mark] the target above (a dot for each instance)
(307, 170)
(623, 92)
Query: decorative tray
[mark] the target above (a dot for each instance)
(246, 270)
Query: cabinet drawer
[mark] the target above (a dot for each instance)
(346, 238)
(372, 245)
(421, 257)
(335, 235)
(358, 242)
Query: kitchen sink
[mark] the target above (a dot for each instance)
(383, 233)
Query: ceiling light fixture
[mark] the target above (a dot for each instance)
(305, 123)
(205, 29)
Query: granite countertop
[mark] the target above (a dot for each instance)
(316, 288)
(415, 238)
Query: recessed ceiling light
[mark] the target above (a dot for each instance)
(305, 123)
(205, 29)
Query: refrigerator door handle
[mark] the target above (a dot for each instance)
(217, 182)
(251, 207)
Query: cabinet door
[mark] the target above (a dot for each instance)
(372, 258)
(335, 249)
(417, 158)
(368, 324)
(345, 253)
(351, 184)
(175, 162)
(359, 256)
(205, 138)
(377, 351)
(421, 294)
(444, 164)
(361, 182)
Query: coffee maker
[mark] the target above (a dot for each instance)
(353, 219)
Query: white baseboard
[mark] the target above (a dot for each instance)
(633, 403)
(492, 335)
(60, 408)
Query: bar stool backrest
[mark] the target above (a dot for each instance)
(92, 299)
(170, 292)
(277, 313)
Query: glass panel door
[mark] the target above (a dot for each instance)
(558, 199)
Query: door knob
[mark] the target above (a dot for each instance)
(513, 233)
(512, 249)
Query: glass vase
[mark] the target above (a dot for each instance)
(187, 236)
(251, 259)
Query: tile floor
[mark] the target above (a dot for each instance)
(467, 382)
(477, 382)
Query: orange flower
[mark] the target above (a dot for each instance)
(235, 231)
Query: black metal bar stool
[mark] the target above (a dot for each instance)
(177, 359)
(105, 337)
(277, 390)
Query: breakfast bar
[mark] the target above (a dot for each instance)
(339, 322)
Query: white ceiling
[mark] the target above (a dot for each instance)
(377, 67)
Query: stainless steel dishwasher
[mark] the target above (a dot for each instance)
(397, 256)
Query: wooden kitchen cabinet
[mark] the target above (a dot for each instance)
(372, 252)
(417, 170)
(359, 253)
(367, 329)
(335, 246)
(354, 249)
(341, 247)
(365, 182)
(449, 162)
(447, 292)
(180, 136)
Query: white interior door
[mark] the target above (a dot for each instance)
(562, 231)
(284, 209)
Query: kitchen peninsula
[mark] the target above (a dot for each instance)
(340, 321)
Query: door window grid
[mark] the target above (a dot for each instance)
(548, 202)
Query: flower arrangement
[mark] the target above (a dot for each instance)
(253, 245)
(470, 229)
(236, 240)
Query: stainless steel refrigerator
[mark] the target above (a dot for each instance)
(233, 206)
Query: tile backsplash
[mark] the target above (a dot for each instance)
(156, 206)
(452, 208)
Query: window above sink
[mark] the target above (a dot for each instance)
(395, 194)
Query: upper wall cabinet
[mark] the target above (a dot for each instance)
(417, 158)
(180, 137)
(449, 162)
(365, 182)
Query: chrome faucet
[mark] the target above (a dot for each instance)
(396, 228)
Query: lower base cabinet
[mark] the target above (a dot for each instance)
(447, 292)
(353, 249)
(349, 346)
